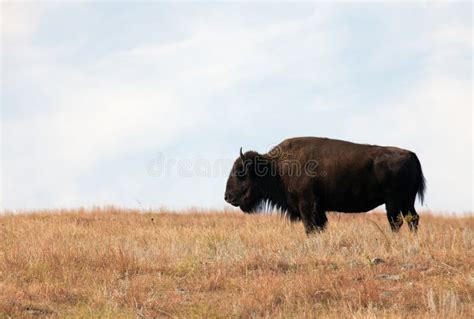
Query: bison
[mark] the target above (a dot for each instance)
(308, 176)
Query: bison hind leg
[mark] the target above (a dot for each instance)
(411, 216)
(394, 216)
(409, 211)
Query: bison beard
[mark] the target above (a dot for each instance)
(342, 177)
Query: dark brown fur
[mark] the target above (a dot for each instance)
(308, 176)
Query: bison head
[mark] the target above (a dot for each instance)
(244, 185)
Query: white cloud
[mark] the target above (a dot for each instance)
(18, 21)
(128, 100)
(77, 114)
(91, 120)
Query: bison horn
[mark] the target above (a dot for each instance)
(242, 155)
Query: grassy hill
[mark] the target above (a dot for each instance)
(123, 263)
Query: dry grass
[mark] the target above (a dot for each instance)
(112, 263)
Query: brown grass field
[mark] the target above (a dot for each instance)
(112, 263)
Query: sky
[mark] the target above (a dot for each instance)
(146, 105)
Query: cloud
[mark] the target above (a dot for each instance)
(19, 21)
(88, 121)
(83, 118)
(145, 97)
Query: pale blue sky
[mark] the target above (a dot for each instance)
(94, 95)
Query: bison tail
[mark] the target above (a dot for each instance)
(421, 183)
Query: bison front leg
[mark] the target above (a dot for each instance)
(313, 216)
